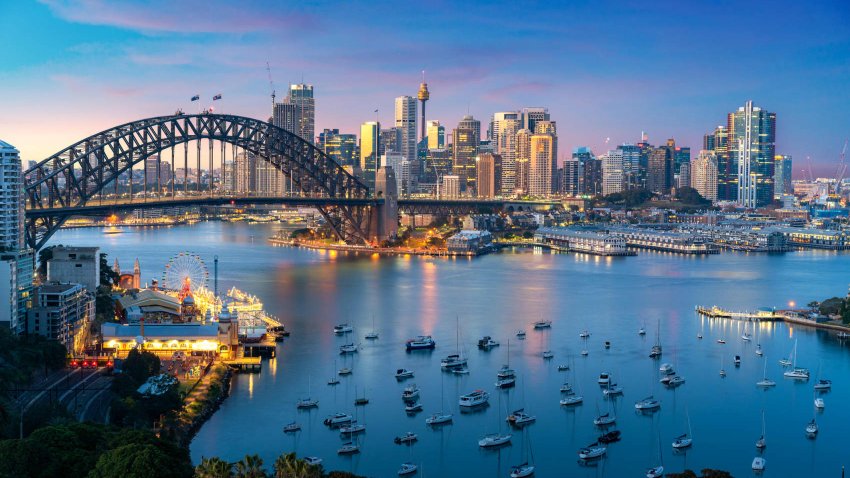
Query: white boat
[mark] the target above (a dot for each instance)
(407, 469)
(411, 392)
(584, 334)
(291, 427)
(344, 371)
(656, 472)
(421, 342)
(675, 381)
(494, 440)
(348, 449)
(759, 463)
(612, 389)
(819, 404)
(506, 372)
(487, 343)
(594, 450)
(312, 460)
(759, 351)
(373, 334)
(521, 471)
(342, 329)
(765, 382)
(519, 418)
(566, 387)
(338, 419)
(604, 378)
(403, 373)
(682, 441)
(305, 403)
(584, 353)
(352, 429)
(563, 367)
(655, 352)
(460, 370)
(543, 324)
(737, 360)
(547, 354)
(348, 348)
(439, 419)
(571, 399)
(452, 361)
(721, 341)
(473, 399)
(520, 334)
(797, 373)
(823, 384)
(666, 368)
(648, 403)
(843, 335)
(604, 420)
(408, 437)
(786, 362)
(812, 429)
(413, 407)
(506, 382)
(642, 331)
(761, 443)
(746, 337)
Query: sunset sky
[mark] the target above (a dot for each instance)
(604, 69)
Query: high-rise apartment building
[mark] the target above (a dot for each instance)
(75, 265)
(405, 121)
(530, 117)
(590, 171)
(449, 187)
(245, 172)
(62, 312)
(683, 178)
(752, 146)
(704, 174)
(570, 177)
(504, 128)
(612, 172)
(370, 150)
(268, 179)
(522, 161)
(286, 116)
(782, 176)
(463, 158)
(301, 96)
(659, 175)
(16, 260)
(717, 142)
(541, 165)
(11, 199)
(488, 175)
(436, 134)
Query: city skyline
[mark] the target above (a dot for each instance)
(104, 64)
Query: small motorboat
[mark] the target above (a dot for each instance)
(342, 329)
(506, 383)
(422, 342)
(737, 360)
(352, 429)
(494, 440)
(312, 460)
(722, 372)
(547, 354)
(487, 343)
(721, 341)
(823, 385)
(348, 449)
(413, 407)
(439, 419)
(656, 472)
(612, 390)
(403, 373)
(572, 399)
(610, 437)
(812, 429)
(699, 336)
(604, 378)
(521, 471)
(338, 420)
(344, 371)
(819, 404)
(291, 427)
(520, 334)
(592, 451)
(407, 469)
(642, 331)
(607, 344)
(408, 437)
(360, 401)
(348, 348)
(563, 367)
(648, 403)
(306, 403)
(584, 334)
(543, 324)
(506, 372)
(519, 418)
(759, 463)
(410, 393)
(604, 420)
(566, 388)
(584, 353)
(682, 441)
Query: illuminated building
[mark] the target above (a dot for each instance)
(405, 121)
(450, 187)
(301, 97)
(268, 179)
(62, 312)
(16, 260)
(165, 339)
(752, 146)
(370, 133)
(704, 174)
(683, 179)
(463, 157)
(504, 135)
(436, 134)
(128, 281)
(727, 171)
(488, 175)
(612, 172)
(245, 172)
(530, 117)
(570, 177)
(521, 161)
(659, 175)
(782, 176)
(340, 147)
(590, 171)
(542, 160)
(470, 123)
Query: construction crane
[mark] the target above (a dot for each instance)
(271, 82)
(842, 168)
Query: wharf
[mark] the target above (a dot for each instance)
(245, 364)
(259, 349)
(764, 314)
(385, 251)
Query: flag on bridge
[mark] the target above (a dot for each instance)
(217, 97)
(196, 97)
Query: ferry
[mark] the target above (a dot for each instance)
(474, 399)
(421, 342)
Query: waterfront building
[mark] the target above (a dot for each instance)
(436, 134)
(540, 177)
(340, 147)
(74, 265)
(370, 150)
(245, 172)
(704, 174)
(612, 172)
(752, 147)
(667, 241)
(62, 312)
(449, 187)
(504, 135)
(488, 175)
(816, 238)
(405, 122)
(469, 241)
(579, 240)
(782, 172)
(301, 98)
(165, 339)
(16, 260)
(464, 151)
(150, 306)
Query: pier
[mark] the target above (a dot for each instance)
(245, 364)
(716, 312)
(259, 349)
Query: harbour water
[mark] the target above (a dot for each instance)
(310, 291)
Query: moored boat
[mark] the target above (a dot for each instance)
(422, 342)
(473, 399)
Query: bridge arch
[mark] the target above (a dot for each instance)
(79, 173)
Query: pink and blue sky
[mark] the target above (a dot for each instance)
(71, 68)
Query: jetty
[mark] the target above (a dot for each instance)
(762, 314)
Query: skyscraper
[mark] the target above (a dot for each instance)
(436, 134)
(569, 177)
(612, 172)
(590, 172)
(301, 96)
(286, 116)
(530, 117)
(11, 199)
(405, 121)
(463, 158)
(245, 172)
(541, 165)
(727, 171)
(782, 176)
(370, 133)
(504, 128)
(522, 161)
(752, 145)
(340, 147)
(488, 175)
(704, 174)
(468, 122)
(16, 260)
(659, 177)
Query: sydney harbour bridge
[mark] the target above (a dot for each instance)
(83, 179)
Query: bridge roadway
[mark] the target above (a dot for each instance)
(411, 206)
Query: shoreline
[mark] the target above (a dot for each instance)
(385, 251)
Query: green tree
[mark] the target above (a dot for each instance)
(250, 467)
(141, 365)
(137, 461)
(214, 467)
(108, 277)
(692, 197)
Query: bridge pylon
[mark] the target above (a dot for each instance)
(384, 220)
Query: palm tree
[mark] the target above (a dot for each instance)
(250, 467)
(214, 467)
(288, 466)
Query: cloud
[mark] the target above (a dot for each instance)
(189, 16)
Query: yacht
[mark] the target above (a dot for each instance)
(439, 419)
(408, 437)
(584, 334)
(338, 419)
(656, 472)
(313, 460)
(642, 331)
(823, 384)
(666, 368)
(682, 441)
(566, 388)
(675, 381)
(812, 429)
(547, 354)
(342, 329)
(487, 343)
(759, 351)
(413, 407)
(519, 418)
(521, 471)
(721, 341)
(411, 392)
(737, 360)
(505, 372)
(594, 450)
(747, 336)
(610, 437)
(506, 382)
(352, 429)
(604, 378)
(452, 361)
(571, 399)
(759, 463)
(543, 324)
(291, 427)
(348, 348)
(655, 352)
(765, 383)
(344, 371)
(348, 449)
(421, 342)
(612, 389)
(494, 440)
(520, 334)
(797, 373)
(604, 420)
(648, 403)
(478, 397)
(306, 403)
(403, 373)
(407, 469)
(563, 367)
(371, 335)
(819, 404)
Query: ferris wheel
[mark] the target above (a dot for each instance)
(186, 271)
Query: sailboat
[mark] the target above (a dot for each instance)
(797, 373)
(547, 354)
(570, 397)
(685, 440)
(373, 334)
(764, 382)
(812, 429)
(656, 349)
(506, 376)
(497, 439)
(439, 418)
(642, 330)
(307, 402)
(657, 471)
(746, 336)
(527, 467)
(722, 370)
(786, 362)
(761, 444)
(455, 360)
(333, 380)
(604, 419)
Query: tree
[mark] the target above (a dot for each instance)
(289, 466)
(108, 277)
(44, 257)
(137, 461)
(214, 467)
(141, 365)
(250, 467)
(830, 306)
(691, 196)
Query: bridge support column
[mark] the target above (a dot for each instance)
(384, 223)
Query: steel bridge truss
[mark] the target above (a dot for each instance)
(77, 174)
